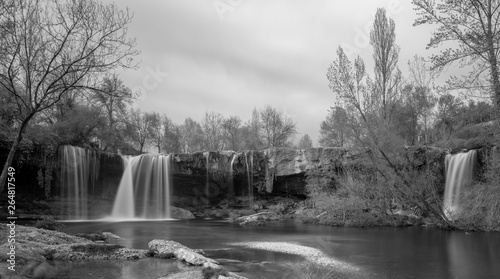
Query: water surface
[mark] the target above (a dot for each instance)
(372, 253)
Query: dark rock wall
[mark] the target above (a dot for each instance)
(271, 172)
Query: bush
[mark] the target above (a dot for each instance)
(48, 223)
(480, 202)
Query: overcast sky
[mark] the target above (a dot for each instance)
(230, 56)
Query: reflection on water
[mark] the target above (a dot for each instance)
(378, 252)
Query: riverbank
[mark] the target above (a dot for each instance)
(34, 251)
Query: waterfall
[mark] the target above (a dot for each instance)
(459, 171)
(144, 191)
(123, 206)
(230, 192)
(79, 169)
(249, 177)
(207, 185)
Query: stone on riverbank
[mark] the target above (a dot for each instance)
(170, 249)
(180, 213)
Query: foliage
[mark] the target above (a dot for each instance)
(468, 30)
(334, 130)
(480, 202)
(48, 223)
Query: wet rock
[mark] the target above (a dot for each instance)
(180, 213)
(258, 219)
(170, 249)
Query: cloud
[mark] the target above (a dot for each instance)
(258, 53)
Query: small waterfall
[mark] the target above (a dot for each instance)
(459, 171)
(79, 169)
(249, 177)
(230, 191)
(207, 185)
(144, 190)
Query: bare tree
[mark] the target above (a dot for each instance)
(139, 127)
(231, 126)
(113, 98)
(276, 129)
(171, 139)
(51, 48)
(213, 131)
(191, 136)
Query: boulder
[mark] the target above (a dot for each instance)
(170, 249)
(180, 213)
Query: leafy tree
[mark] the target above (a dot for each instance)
(372, 122)
(51, 48)
(448, 114)
(334, 130)
(305, 142)
(469, 30)
(275, 128)
(385, 54)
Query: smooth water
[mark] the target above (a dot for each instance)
(144, 190)
(79, 169)
(459, 171)
(354, 252)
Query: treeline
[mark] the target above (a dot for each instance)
(443, 120)
(105, 119)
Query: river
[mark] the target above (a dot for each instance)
(295, 250)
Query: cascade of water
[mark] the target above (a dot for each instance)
(230, 191)
(123, 207)
(249, 167)
(459, 171)
(144, 190)
(207, 185)
(79, 170)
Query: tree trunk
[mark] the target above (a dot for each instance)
(12, 152)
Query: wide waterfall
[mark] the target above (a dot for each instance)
(79, 169)
(459, 171)
(144, 191)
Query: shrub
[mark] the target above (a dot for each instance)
(480, 202)
(48, 223)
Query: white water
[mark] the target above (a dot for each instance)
(249, 177)
(231, 176)
(122, 207)
(79, 171)
(207, 185)
(459, 171)
(144, 191)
